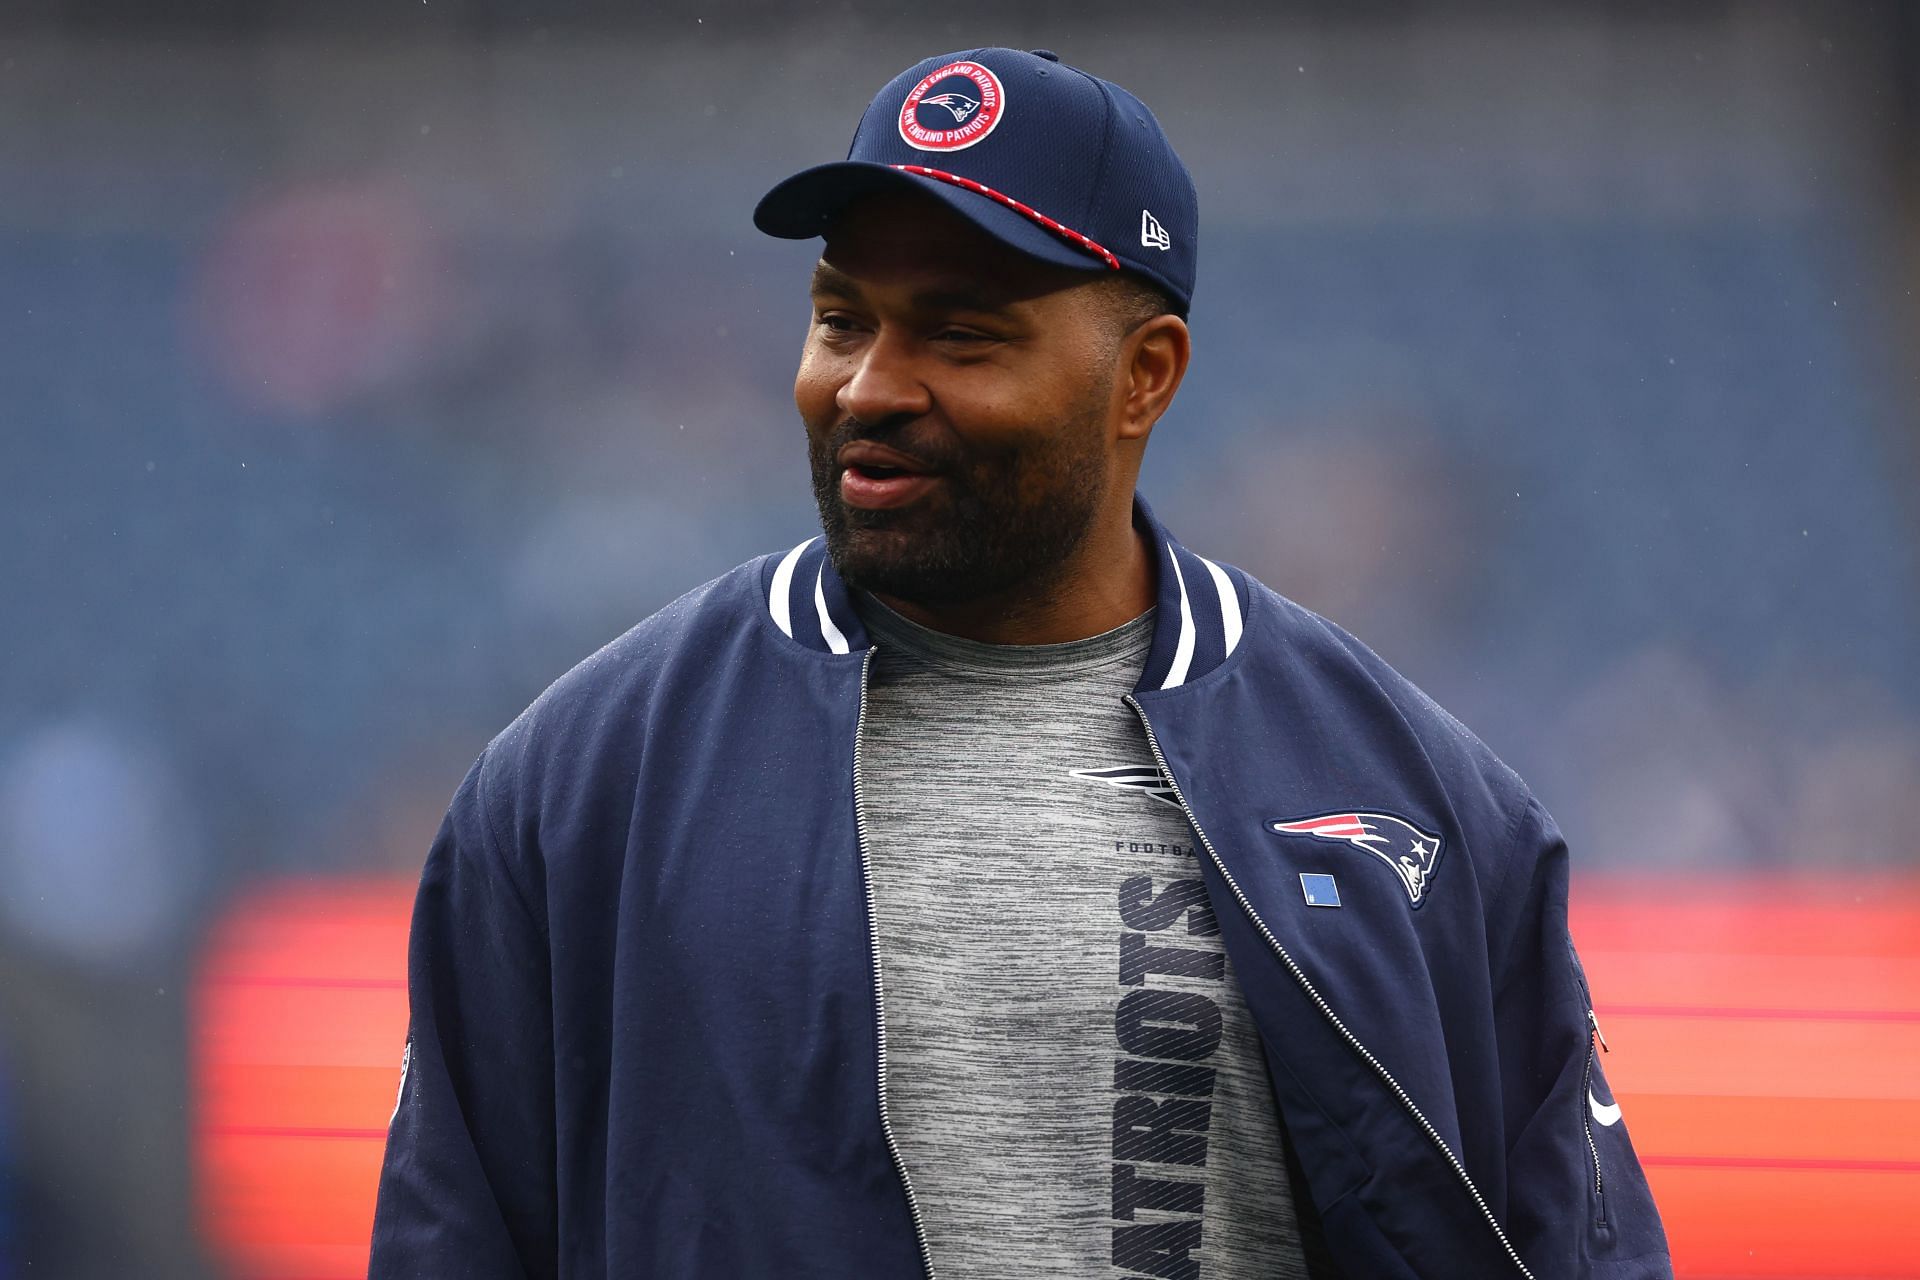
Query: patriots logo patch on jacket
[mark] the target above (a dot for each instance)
(1411, 852)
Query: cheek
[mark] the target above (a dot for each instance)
(815, 386)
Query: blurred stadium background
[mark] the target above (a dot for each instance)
(366, 364)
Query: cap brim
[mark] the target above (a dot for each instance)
(808, 204)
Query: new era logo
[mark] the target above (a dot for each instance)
(1152, 234)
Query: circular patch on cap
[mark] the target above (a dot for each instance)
(952, 107)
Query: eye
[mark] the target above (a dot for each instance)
(836, 323)
(962, 336)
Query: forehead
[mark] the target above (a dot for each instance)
(909, 239)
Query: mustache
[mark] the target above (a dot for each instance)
(932, 456)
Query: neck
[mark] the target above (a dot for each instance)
(1107, 581)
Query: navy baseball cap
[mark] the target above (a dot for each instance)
(1052, 162)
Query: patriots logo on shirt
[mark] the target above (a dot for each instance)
(1411, 852)
(1140, 779)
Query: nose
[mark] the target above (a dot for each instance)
(886, 383)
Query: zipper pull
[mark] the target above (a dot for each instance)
(1600, 1035)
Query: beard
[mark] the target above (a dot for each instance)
(1000, 521)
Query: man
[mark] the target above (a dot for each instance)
(995, 887)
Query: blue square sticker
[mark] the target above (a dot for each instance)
(1320, 889)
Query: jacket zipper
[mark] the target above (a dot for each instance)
(873, 944)
(1586, 1116)
(1319, 1001)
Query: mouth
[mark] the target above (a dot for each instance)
(874, 477)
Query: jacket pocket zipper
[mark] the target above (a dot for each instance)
(1595, 1042)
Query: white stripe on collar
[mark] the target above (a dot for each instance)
(1183, 651)
(835, 640)
(1229, 603)
(777, 595)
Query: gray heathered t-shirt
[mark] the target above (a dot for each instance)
(1073, 1079)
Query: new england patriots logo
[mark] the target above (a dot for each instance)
(1141, 779)
(1410, 851)
(958, 103)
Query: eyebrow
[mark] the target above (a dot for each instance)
(830, 281)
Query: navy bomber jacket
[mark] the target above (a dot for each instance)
(645, 1036)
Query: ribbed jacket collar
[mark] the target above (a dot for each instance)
(1199, 622)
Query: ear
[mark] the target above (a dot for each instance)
(1153, 360)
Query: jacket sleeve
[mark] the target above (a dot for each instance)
(467, 1184)
(1578, 1204)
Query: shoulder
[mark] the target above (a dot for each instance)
(1345, 669)
(1370, 722)
(1367, 721)
(598, 709)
